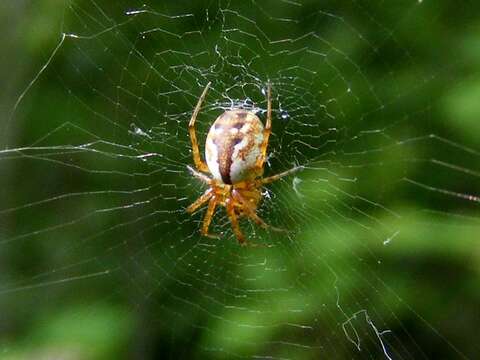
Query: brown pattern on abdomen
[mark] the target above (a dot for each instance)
(225, 149)
(231, 128)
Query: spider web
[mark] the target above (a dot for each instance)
(95, 187)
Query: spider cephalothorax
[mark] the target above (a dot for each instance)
(236, 151)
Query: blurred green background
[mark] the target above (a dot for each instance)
(379, 102)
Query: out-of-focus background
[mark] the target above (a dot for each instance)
(378, 101)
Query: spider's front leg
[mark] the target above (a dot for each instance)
(230, 205)
(234, 202)
(250, 211)
(200, 201)
(212, 204)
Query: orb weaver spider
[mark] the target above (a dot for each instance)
(235, 150)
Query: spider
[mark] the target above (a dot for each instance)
(235, 152)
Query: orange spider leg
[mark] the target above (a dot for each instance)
(266, 130)
(259, 221)
(208, 218)
(233, 219)
(251, 197)
(199, 163)
(250, 211)
(200, 201)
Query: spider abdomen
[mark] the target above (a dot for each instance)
(234, 145)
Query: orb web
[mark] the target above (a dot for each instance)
(103, 181)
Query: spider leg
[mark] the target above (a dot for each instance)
(267, 130)
(259, 221)
(208, 218)
(273, 178)
(199, 175)
(199, 163)
(250, 211)
(200, 201)
(234, 221)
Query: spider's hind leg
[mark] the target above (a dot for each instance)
(267, 130)
(199, 163)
